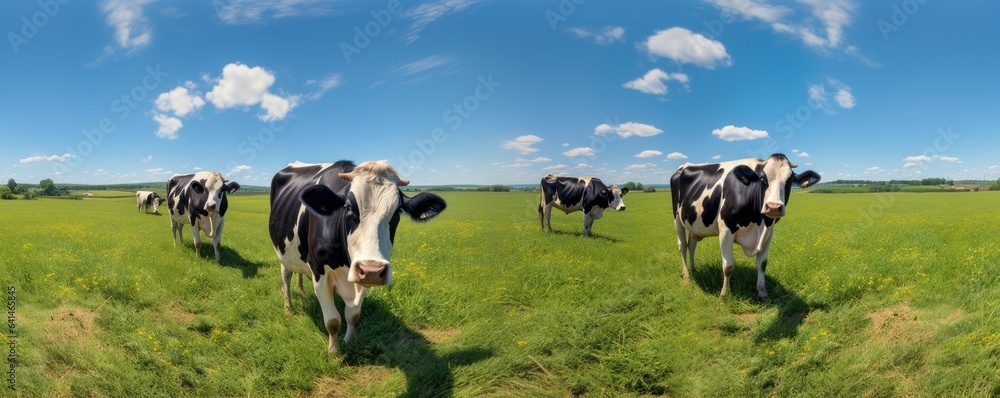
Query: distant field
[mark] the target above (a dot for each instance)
(871, 295)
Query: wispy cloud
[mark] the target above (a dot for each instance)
(655, 82)
(51, 158)
(238, 12)
(732, 133)
(523, 144)
(425, 14)
(832, 93)
(627, 129)
(603, 36)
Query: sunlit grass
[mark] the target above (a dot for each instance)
(872, 295)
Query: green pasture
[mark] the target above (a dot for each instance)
(890, 294)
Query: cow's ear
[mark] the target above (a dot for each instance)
(745, 175)
(197, 187)
(321, 200)
(231, 187)
(624, 191)
(424, 206)
(807, 179)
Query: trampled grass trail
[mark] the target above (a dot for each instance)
(871, 295)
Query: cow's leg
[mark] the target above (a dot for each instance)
(692, 244)
(588, 222)
(547, 218)
(197, 239)
(301, 290)
(331, 317)
(286, 279)
(217, 241)
(682, 242)
(176, 231)
(353, 295)
(761, 267)
(726, 239)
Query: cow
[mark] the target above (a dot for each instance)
(739, 201)
(572, 194)
(200, 200)
(336, 222)
(145, 199)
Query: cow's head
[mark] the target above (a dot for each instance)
(214, 189)
(157, 200)
(615, 197)
(776, 178)
(369, 214)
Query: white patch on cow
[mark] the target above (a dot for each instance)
(618, 203)
(291, 258)
(375, 186)
(778, 172)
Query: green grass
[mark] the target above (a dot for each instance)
(871, 295)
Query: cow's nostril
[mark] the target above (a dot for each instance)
(383, 274)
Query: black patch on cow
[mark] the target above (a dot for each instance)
(688, 185)
(177, 194)
(743, 201)
(596, 193)
(710, 207)
(763, 266)
(569, 190)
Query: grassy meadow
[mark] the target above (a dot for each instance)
(889, 294)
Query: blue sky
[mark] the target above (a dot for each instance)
(467, 91)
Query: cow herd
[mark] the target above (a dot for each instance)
(336, 222)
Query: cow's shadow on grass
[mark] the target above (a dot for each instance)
(384, 340)
(792, 309)
(230, 258)
(580, 234)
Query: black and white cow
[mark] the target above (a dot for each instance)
(571, 194)
(145, 199)
(739, 201)
(337, 223)
(199, 200)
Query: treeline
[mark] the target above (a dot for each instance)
(923, 182)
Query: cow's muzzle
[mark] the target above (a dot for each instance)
(774, 210)
(371, 272)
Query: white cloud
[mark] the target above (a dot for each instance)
(523, 144)
(804, 155)
(605, 35)
(539, 159)
(557, 167)
(682, 45)
(649, 153)
(156, 170)
(917, 159)
(577, 152)
(795, 151)
(168, 126)
(235, 12)
(196, 168)
(994, 167)
(732, 133)
(822, 28)
(516, 165)
(627, 129)
(821, 96)
(655, 81)
(241, 86)
(565, 144)
(951, 159)
(912, 164)
(639, 166)
(874, 170)
(180, 101)
(716, 157)
(132, 30)
(423, 64)
(51, 158)
(427, 13)
(146, 159)
(676, 156)
(241, 168)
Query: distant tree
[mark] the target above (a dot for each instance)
(48, 187)
(633, 186)
(28, 195)
(12, 185)
(995, 186)
(649, 190)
